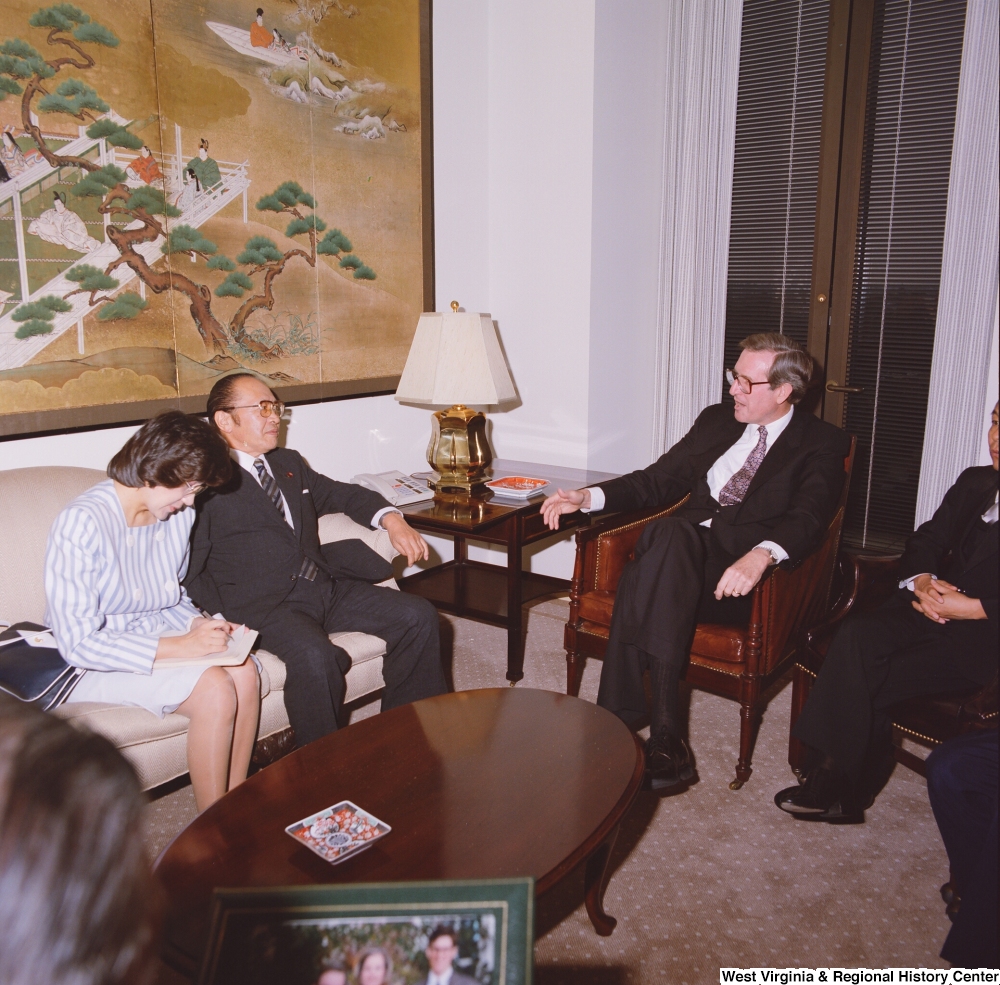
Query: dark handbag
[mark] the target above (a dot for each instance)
(34, 674)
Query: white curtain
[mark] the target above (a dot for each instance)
(703, 61)
(960, 370)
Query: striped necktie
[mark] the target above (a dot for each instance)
(736, 488)
(269, 486)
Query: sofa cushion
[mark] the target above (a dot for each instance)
(156, 747)
(30, 499)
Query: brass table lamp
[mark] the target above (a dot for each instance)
(456, 359)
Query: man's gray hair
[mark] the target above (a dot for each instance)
(792, 364)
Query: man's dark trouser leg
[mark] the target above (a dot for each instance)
(314, 686)
(408, 624)
(661, 595)
(876, 659)
(962, 786)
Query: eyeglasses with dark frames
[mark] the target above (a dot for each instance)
(266, 408)
(745, 384)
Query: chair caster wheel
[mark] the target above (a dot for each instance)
(735, 784)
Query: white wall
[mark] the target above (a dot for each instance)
(629, 72)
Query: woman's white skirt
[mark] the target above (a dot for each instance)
(161, 692)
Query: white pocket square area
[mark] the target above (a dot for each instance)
(305, 492)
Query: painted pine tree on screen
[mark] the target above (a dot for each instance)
(144, 211)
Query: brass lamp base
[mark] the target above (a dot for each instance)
(459, 450)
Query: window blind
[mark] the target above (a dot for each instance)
(909, 123)
(778, 115)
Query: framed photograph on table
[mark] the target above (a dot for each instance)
(376, 933)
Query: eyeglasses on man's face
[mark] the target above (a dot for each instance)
(195, 488)
(744, 382)
(266, 407)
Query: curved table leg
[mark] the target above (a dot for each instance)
(595, 882)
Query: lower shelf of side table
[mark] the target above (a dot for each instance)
(476, 589)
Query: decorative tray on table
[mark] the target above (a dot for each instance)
(338, 832)
(517, 486)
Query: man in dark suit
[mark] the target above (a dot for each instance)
(763, 483)
(936, 634)
(441, 952)
(255, 555)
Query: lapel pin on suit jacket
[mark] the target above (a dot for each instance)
(290, 474)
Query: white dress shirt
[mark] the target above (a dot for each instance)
(433, 979)
(246, 462)
(725, 467)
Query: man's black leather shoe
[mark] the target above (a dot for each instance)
(824, 796)
(668, 761)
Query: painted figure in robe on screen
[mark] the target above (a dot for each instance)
(190, 189)
(260, 36)
(206, 169)
(11, 157)
(143, 170)
(61, 226)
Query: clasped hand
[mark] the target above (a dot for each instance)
(940, 601)
(206, 636)
(405, 539)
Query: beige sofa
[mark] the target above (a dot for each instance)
(30, 500)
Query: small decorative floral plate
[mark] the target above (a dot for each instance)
(338, 832)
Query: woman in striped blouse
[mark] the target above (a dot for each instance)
(115, 559)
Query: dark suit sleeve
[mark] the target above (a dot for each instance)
(930, 543)
(330, 496)
(199, 583)
(815, 494)
(662, 483)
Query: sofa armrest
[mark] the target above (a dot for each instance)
(339, 526)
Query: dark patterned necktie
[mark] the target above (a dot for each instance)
(269, 486)
(736, 488)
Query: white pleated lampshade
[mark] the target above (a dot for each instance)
(455, 358)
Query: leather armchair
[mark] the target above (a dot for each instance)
(930, 719)
(730, 661)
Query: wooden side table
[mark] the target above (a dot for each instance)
(487, 591)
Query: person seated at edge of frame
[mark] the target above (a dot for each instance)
(962, 786)
(78, 903)
(113, 569)
(441, 951)
(764, 481)
(255, 555)
(938, 633)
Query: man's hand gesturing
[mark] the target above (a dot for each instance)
(563, 501)
(405, 539)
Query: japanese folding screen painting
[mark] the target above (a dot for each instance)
(192, 187)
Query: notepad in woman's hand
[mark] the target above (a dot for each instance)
(237, 651)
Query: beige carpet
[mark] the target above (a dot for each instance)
(714, 877)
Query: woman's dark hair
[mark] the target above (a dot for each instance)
(224, 393)
(170, 450)
(78, 904)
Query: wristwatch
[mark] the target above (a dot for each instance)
(770, 550)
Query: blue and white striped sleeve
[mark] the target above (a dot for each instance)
(73, 562)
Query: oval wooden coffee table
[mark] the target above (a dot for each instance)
(475, 785)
